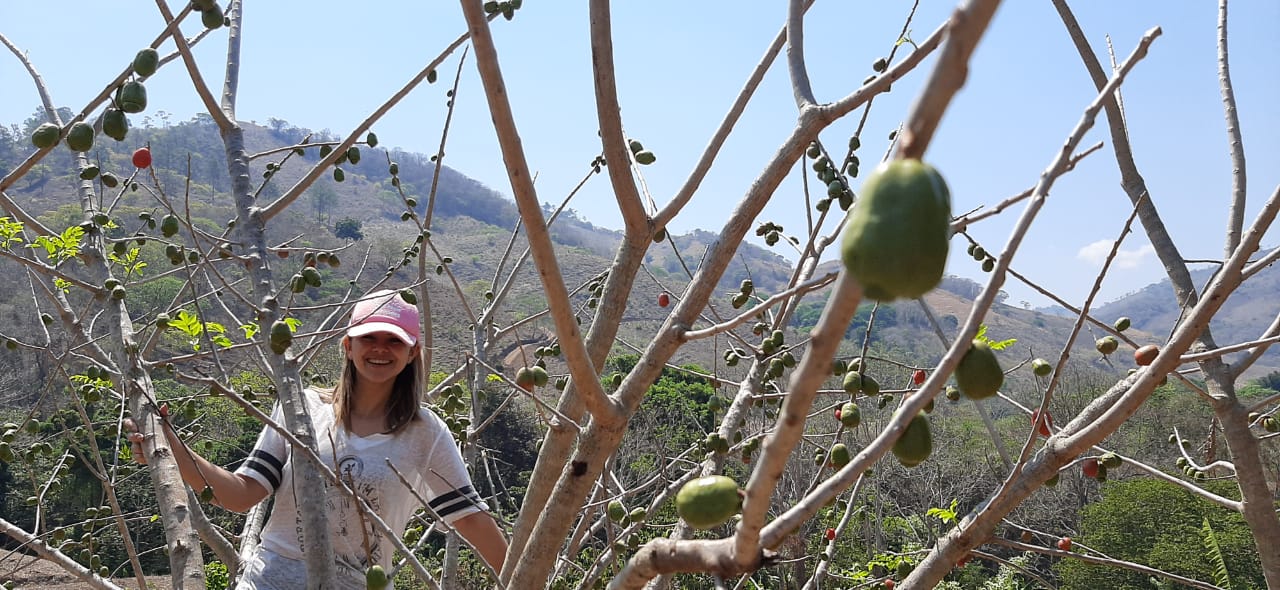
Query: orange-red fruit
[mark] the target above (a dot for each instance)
(1145, 354)
(1064, 543)
(664, 300)
(1090, 468)
(142, 158)
(918, 377)
(1042, 424)
(888, 584)
(831, 534)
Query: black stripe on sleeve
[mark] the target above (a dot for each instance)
(267, 465)
(452, 502)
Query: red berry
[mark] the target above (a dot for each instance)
(837, 413)
(1090, 468)
(1042, 424)
(664, 300)
(963, 561)
(888, 584)
(1144, 355)
(918, 377)
(142, 158)
(831, 534)
(1064, 543)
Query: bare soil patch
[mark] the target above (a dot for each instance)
(32, 573)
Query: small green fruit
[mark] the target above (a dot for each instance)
(132, 97)
(80, 137)
(616, 511)
(1041, 368)
(979, 375)
(645, 158)
(281, 336)
(855, 382)
(109, 180)
(146, 62)
(1107, 344)
(375, 578)
(89, 172)
(46, 135)
(708, 502)
(525, 378)
(169, 226)
(898, 233)
(840, 455)
(1122, 324)
(916, 442)
(850, 415)
(115, 124)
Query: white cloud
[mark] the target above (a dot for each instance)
(1096, 253)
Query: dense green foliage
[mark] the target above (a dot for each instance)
(1158, 524)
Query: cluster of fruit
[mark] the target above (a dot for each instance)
(643, 157)
(833, 178)
(980, 254)
(507, 8)
(130, 97)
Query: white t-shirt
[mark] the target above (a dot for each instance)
(424, 452)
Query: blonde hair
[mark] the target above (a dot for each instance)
(402, 406)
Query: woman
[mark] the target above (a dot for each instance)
(372, 416)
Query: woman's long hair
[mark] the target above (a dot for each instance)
(406, 395)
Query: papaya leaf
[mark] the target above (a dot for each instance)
(1213, 552)
(981, 336)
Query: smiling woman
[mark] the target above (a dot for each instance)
(370, 428)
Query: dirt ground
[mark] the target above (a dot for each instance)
(28, 573)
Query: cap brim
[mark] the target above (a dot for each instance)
(375, 326)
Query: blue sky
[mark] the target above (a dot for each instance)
(323, 65)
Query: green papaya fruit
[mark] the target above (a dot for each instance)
(169, 226)
(80, 137)
(146, 62)
(132, 97)
(1123, 324)
(1107, 344)
(916, 442)
(281, 336)
(616, 511)
(840, 455)
(855, 382)
(212, 17)
(372, 139)
(899, 231)
(979, 375)
(375, 578)
(115, 124)
(850, 415)
(46, 135)
(708, 502)
(89, 172)
(353, 155)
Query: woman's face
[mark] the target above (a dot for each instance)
(378, 357)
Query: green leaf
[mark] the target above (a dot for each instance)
(10, 232)
(188, 323)
(981, 336)
(1213, 552)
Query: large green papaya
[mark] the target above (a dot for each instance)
(80, 137)
(115, 124)
(916, 442)
(898, 233)
(132, 97)
(978, 374)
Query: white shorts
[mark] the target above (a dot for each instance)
(270, 571)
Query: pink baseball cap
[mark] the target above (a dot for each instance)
(385, 311)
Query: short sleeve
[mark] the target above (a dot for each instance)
(450, 492)
(265, 464)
